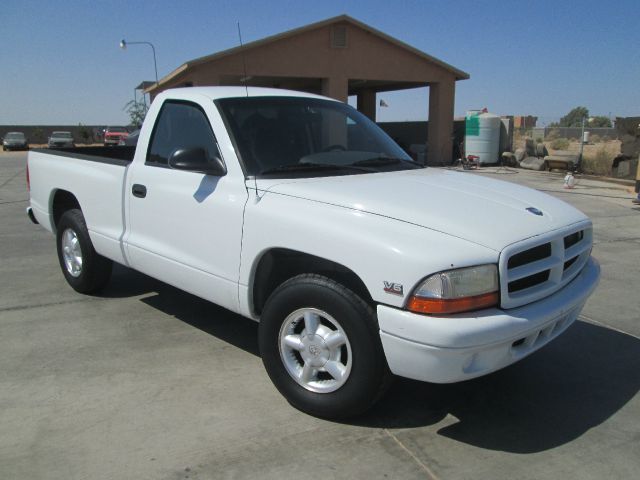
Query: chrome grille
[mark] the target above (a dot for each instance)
(539, 266)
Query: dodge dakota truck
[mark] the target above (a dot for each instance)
(297, 211)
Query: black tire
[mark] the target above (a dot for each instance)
(95, 270)
(369, 374)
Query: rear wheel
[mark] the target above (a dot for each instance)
(321, 347)
(83, 268)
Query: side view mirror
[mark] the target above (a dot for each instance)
(196, 160)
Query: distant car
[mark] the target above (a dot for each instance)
(113, 135)
(15, 141)
(131, 140)
(61, 140)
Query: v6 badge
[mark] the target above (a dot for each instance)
(393, 288)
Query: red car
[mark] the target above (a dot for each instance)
(113, 135)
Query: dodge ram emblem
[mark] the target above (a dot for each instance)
(535, 211)
(314, 350)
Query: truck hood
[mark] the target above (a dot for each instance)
(488, 212)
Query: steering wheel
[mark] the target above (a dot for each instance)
(331, 148)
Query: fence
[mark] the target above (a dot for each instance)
(573, 132)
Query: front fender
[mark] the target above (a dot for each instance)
(377, 248)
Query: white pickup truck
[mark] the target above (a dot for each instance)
(297, 211)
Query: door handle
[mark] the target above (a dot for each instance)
(139, 191)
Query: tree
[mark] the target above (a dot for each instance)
(84, 133)
(574, 117)
(137, 111)
(600, 121)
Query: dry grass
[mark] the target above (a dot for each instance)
(559, 144)
(597, 157)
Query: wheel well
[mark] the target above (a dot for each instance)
(63, 201)
(280, 264)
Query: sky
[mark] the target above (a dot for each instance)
(61, 62)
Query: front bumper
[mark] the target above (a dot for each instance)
(463, 346)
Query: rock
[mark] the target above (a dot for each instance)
(530, 147)
(533, 163)
(509, 159)
(541, 150)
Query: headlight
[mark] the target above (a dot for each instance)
(459, 290)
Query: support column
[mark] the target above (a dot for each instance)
(367, 103)
(334, 130)
(441, 103)
(336, 87)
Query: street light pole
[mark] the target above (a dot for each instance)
(124, 44)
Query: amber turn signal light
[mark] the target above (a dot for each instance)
(452, 305)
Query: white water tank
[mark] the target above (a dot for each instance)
(482, 136)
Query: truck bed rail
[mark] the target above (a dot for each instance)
(113, 155)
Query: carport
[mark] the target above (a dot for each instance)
(338, 57)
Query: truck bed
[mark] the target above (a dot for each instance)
(95, 177)
(113, 155)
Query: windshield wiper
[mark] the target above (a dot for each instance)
(384, 160)
(309, 166)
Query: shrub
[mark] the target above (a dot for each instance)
(84, 133)
(553, 134)
(560, 144)
(598, 164)
(594, 138)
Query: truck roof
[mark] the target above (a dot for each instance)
(215, 93)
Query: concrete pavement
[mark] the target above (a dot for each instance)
(149, 382)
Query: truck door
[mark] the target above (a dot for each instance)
(185, 227)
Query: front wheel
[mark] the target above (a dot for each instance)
(83, 268)
(321, 347)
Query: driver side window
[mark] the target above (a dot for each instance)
(180, 125)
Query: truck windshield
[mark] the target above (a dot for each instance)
(284, 136)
